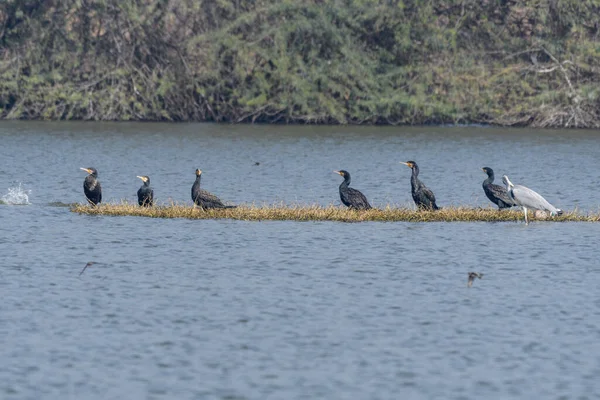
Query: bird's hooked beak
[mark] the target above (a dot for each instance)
(405, 163)
(337, 172)
(86, 170)
(143, 178)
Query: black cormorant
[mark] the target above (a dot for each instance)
(145, 193)
(91, 186)
(203, 198)
(472, 276)
(352, 197)
(497, 194)
(421, 194)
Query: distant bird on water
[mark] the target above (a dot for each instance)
(527, 198)
(421, 194)
(87, 265)
(351, 198)
(91, 186)
(496, 193)
(145, 193)
(472, 276)
(203, 198)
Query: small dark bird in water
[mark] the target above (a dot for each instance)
(91, 186)
(351, 198)
(87, 265)
(472, 276)
(145, 193)
(257, 163)
(497, 194)
(203, 198)
(421, 194)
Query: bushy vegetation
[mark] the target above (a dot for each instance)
(507, 62)
(282, 212)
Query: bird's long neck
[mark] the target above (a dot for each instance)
(489, 179)
(346, 183)
(196, 189)
(413, 178)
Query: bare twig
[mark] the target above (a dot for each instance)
(532, 50)
(559, 65)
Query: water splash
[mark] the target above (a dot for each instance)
(16, 195)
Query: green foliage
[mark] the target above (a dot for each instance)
(313, 61)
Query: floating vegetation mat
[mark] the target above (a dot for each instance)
(319, 213)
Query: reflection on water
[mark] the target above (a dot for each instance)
(232, 309)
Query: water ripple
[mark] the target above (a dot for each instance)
(293, 310)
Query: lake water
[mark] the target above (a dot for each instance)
(181, 309)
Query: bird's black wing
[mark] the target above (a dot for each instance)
(140, 195)
(92, 191)
(428, 194)
(500, 193)
(209, 200)
(145, 196)
(357, 199)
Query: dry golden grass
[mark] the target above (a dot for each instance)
(282, 212)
